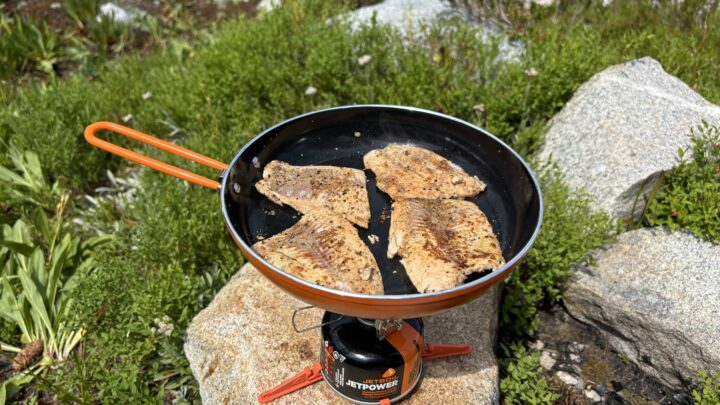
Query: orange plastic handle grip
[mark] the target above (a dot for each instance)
(150, 162)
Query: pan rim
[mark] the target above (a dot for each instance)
(499, 273)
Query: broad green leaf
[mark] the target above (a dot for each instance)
(35, 297)
(20, 232)
(34, 167)
(97, 241)
(22, 248)
(38, 271)
(9, 348)
(8, 176)
(42, 224)
(60, 253)
(26, 320)
(70, 341)
(10, 307)
(16, 383)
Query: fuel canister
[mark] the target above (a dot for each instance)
(365, 368)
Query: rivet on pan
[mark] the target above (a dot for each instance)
(236, 187)
(256, 162)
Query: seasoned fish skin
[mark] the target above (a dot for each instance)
(406, 171)
(325, 249)
(441, 242)
(339, 189)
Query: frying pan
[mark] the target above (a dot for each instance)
(340, 137)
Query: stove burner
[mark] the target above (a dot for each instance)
(368, 361)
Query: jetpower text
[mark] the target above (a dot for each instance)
(372, 387)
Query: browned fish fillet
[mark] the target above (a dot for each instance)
(405, 171)
(442, 241)
(339, 189)
(325, 249)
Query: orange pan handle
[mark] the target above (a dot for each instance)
(150, 162)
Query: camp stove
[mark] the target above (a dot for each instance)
(367, 361)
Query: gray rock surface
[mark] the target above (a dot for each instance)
(243, 343)
(121, 15)
(409, 16)
(541, 3)
(268, 5)
(406, 15)
(654, 295)
(622, 128)
(547, 361)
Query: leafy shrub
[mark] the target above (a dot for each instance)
(26, 43)
(38, 264)
(26, 183)
(80, 12)
(680, 35)
(215, 92)
(522, 382)
(135, 326)
(708, 392)
(690, 195)
(84, 41)
(34, 284)
(569, 232)
(180, 222)
(254, 73)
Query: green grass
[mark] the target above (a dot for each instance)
(31, 50)
(171, 252)
(130, 356)
(689, 196)
(26, 43)
(570, 231)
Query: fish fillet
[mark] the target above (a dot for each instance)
(339, 189)
(325, 249)
(405, 171)
(441, 242)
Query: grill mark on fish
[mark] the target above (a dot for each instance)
(325, 249)
(421, 220)
(304, 188)
(405, 171)
(441, 242)
(317, 242)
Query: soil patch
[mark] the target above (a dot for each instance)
(580, 351)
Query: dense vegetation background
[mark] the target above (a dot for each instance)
(108, 263)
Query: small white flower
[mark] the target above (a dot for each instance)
(364, 60)
(146, 95)
(164, 326)
(532, 72)
(127, 118)
(479, 108)
(310, 91)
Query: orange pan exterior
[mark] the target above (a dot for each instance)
(375, 307)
